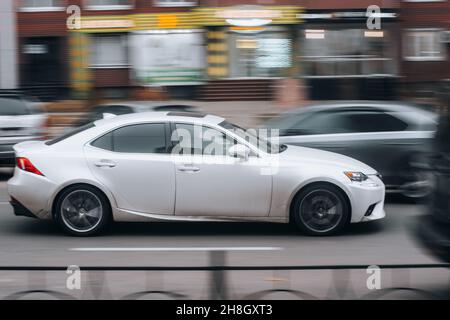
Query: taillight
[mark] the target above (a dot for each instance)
(26, 165)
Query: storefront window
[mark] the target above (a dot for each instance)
(345, 52)
(108, 4)
(109, 51)
(41, 5)
(423, 45)
(263, 54)
(175, 3)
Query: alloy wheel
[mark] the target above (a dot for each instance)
(81, 211)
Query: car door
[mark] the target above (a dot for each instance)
(134, 163)
(213, 183)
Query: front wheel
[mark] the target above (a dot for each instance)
(82, 211)
(321, 210)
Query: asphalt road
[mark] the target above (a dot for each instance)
(30, 242)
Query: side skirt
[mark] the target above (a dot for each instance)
(121, 215)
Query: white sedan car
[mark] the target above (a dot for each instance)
(161, 166)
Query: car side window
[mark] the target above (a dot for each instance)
(138, 138)
(189, 139)
(348, 122)
(374, 121)
(321, 123)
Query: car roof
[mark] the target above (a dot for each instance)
(389, 106)
(161, 116)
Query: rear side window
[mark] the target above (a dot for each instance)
(139, 138)
(347, 122)
(70, 133)
(374, 122)
(13, 107)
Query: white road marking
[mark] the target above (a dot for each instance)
(179, 249)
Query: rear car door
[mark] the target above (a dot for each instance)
(134, 163)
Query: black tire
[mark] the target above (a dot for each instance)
(311, 203)
(82, 217)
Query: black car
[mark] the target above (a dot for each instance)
(391, 137)
(433, 229)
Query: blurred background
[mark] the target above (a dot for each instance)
(377, 87)
(283, 52)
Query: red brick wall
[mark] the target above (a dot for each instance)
(425, 15)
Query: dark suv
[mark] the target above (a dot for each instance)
(433, 229)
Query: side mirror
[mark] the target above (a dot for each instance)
(239, 151)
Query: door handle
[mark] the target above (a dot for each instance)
(188, 169)
(105, 163)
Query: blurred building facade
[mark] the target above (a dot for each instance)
(230, 49)
(425, 54)
(8, 47)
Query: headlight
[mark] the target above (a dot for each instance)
(356, 176)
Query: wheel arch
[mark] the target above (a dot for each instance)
(297, 193)
(57, 194)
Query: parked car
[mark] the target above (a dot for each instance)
(161, 166)
(390, 137)
(21, 119)
(433, 229)
(119, 108)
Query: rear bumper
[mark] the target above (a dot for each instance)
(20, 209)
(32, 192)
(433, 236)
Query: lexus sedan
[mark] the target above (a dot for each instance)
(394, 138)
(174, 166)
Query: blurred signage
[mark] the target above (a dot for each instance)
(274, 53)
(345, 15)
(248, 16)
(247, 43)
(164, 57)
(99, 24)
(247, 29)
(167, 21)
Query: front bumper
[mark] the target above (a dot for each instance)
(433, 236)
(367, 200)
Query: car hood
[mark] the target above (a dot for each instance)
(316, 156)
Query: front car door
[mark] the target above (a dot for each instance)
(209, 182)
(134, 163)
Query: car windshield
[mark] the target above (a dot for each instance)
(253, 138)
(13, 107)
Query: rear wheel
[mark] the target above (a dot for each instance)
(82, 211)
(320, 210)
